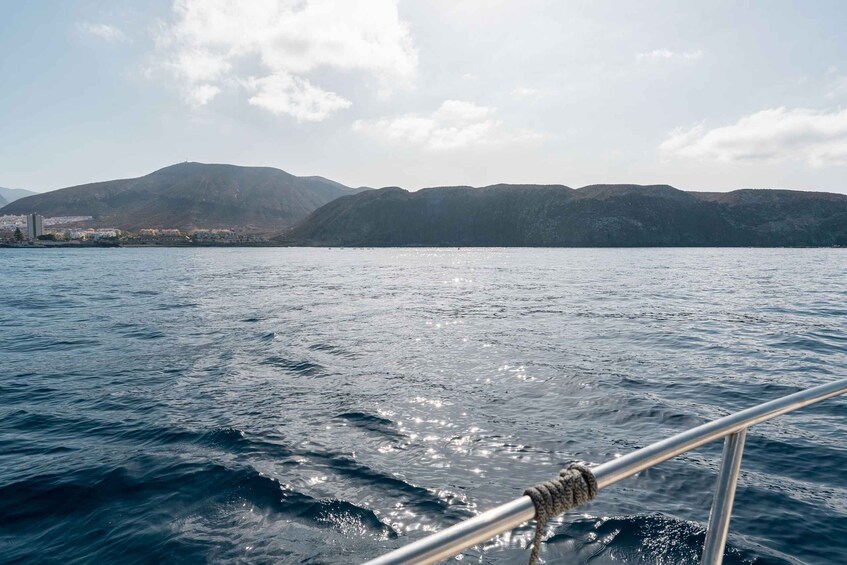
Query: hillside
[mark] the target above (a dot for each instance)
(190, 195)
(592, 216)
(8, 195)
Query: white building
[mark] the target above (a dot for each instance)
(91, 233)
(34, 226)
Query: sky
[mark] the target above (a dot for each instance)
(700, 95)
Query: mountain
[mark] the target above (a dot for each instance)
(592, 216)
(11, 194)
(191, 195)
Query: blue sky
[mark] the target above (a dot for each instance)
(703, 96)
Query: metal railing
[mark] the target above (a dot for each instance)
(455, 539)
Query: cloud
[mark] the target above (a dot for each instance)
(455, 124)
(666, 54)
(105, 32)
(460, 112)
(198, 65)
(202, 94)
(819, 138)
(270, 46)
(837, 86)
(527, 92)
(297, 97)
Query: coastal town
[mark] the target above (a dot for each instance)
(35, 230)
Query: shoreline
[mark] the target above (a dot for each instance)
(306, 246)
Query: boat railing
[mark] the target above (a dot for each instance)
(473, 531)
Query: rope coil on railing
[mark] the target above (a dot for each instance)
(575, 485)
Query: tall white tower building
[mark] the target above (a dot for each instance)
(34, 226)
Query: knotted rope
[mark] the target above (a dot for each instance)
(575, 485)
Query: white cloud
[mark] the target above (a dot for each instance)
(837, 87)
(197, 65)
(460, 112)
(105, 32)
(527, 92)
(666, 54)
(270, 46)
(201, 94)
(285, 94)
(816, 137)
(455, 124)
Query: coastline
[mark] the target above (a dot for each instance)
(52, 245)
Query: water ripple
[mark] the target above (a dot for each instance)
(325, 406)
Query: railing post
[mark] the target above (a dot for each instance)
(721, 513)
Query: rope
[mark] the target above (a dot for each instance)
(575, 485)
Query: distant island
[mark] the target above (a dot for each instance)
(212, 204)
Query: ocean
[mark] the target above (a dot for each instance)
(324, 406)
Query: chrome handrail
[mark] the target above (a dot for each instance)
(453, 540)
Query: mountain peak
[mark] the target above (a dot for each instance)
(191, 195)
(8, 195)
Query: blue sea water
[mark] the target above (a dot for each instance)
(325, 405)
